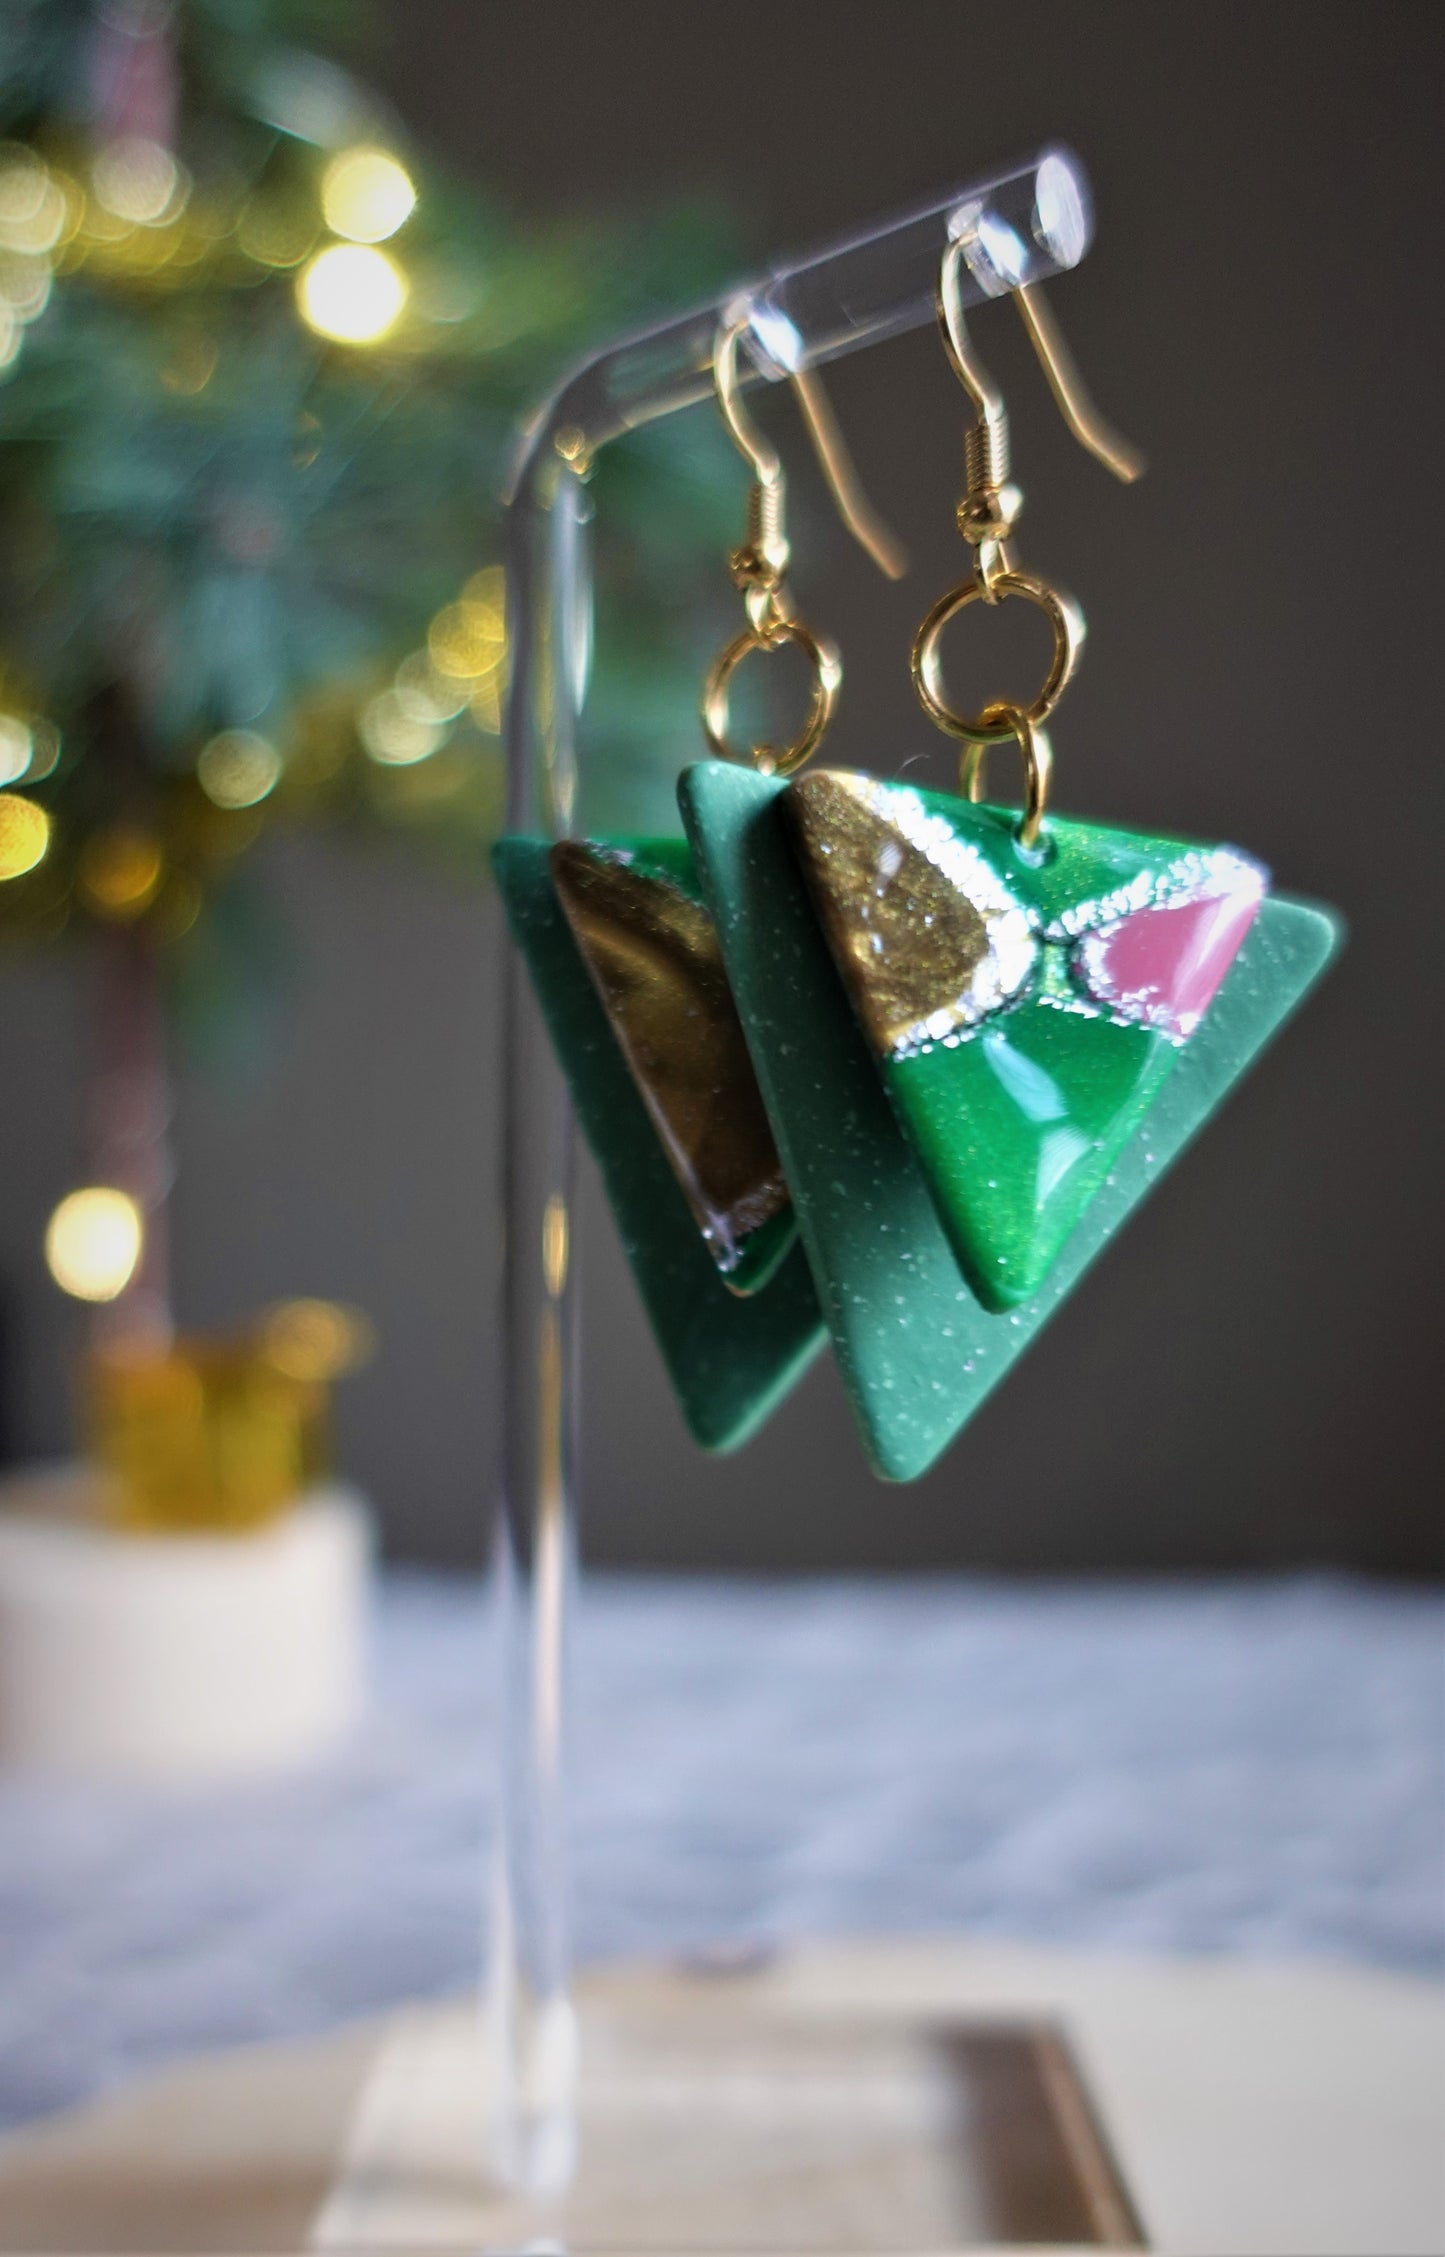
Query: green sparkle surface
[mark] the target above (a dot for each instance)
(917, 1351)
(731, 1359)
(1017, 1129)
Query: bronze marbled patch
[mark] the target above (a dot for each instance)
(919, 956)
(654, 959)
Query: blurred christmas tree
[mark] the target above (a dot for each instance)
(259, 371)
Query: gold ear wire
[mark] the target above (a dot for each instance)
(1097, 437)
(836, 463)
(831, 448)
(986, 518)
(991, 504)
(758, 569)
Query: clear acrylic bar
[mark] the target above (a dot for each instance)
(1022, 226)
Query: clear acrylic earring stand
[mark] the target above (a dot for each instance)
(1022, 227)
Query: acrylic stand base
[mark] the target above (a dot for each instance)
(1257, 2110)
(785, 2107)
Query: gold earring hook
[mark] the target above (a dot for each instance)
(986, 518)
(759, 565)
(1071, 397)
(765, 555)
(987, 515)
(841, 475)
(756, 450)
(837, 465)
(1094, 434)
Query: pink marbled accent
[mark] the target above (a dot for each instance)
(1162, 967)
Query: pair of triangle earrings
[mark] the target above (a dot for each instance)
(881, 1066)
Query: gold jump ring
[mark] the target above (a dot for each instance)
(827, 669)
(1064, 617)
(1014, 721)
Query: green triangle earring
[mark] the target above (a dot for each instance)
(625, 963)
(1051, 1012)
(626, 966)
(917, 1350)
(731, 1357)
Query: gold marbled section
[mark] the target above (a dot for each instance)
(909, 943)
(655, 961)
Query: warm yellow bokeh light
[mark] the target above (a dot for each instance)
(15, 748)
(238, 768)
(24, 835)
(25, 280)
(119, 871)
(486, 704)
(488, 586)
(44, 229)
(394, 733)
(137, 180)
(315, 1340)
(426, 694)
(33, 208)
(93, 1242)
(24, 178)
(351, 293)
(468, 639)
(366, 195)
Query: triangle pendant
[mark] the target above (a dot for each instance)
(917, 1351)
(1024, 1009)
(731, 1357)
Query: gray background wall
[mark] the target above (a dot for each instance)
(1250, 1376)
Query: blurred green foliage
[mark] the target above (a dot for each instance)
(213, 518)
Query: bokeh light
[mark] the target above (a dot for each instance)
(24, 835)
(426, 694)
(315, 1340)
(23, 181)
(93, 1242)
(468, 640)
(43, 231)
(394, 733)
(119, 872)
(366, 195)
(33, 207)
(238, 768)
(275, 234)
(351, 293)
(137, 180)
(44, 749)
(489, 586)
(25, 278)
(15, 748)
(486, 704)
